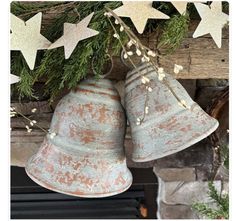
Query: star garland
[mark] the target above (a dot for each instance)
(213, 20)
(139, 13)
(26, 37)
(73, 33)
(180, 6)
(14, 79)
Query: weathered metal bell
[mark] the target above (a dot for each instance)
(86, 157)
(168, 127)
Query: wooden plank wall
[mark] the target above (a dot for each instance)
(200, 57)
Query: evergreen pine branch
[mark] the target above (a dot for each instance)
(25, 10)
(213, 193)
(207, 211)
(19, 67)
(175, 30)
(222, 203)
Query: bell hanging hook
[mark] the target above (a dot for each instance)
(110, 70)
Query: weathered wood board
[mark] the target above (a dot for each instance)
(200, 57)
(26, 107)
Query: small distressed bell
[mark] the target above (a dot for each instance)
(170, 124)
(83, 155)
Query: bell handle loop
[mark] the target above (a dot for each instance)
(102, 76)
(123, 60)
(77, 13)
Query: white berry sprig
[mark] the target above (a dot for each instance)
(146, 55)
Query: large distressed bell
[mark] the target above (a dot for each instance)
(169, 126)
(86, 156)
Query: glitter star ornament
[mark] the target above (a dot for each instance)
(14, 79)
(213, 20)
(180, 6)
(139, 13)
(26, 37)
(73, 33)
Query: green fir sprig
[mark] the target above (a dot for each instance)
(222, 203)
(174, 31)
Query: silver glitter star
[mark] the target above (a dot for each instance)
(26, 37)
(213, 20)
(73, 33)
(139, 13)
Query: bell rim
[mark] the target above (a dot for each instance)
(51, 185)
(179, 148)
(97, 195)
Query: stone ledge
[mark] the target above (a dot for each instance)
(175, 212)
(176, 174)
(185, 193)
(198, 155)
(175, 199)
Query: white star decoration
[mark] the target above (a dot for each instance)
(139, 13)
(180, 6)
(14, 79)
(213, 20)
(26, 37)
(73, 33)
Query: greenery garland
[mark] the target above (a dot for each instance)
(59, 73)
(51, 64)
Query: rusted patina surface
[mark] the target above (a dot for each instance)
(168, 127)
(86, 157)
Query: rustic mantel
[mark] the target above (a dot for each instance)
(200, 57)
